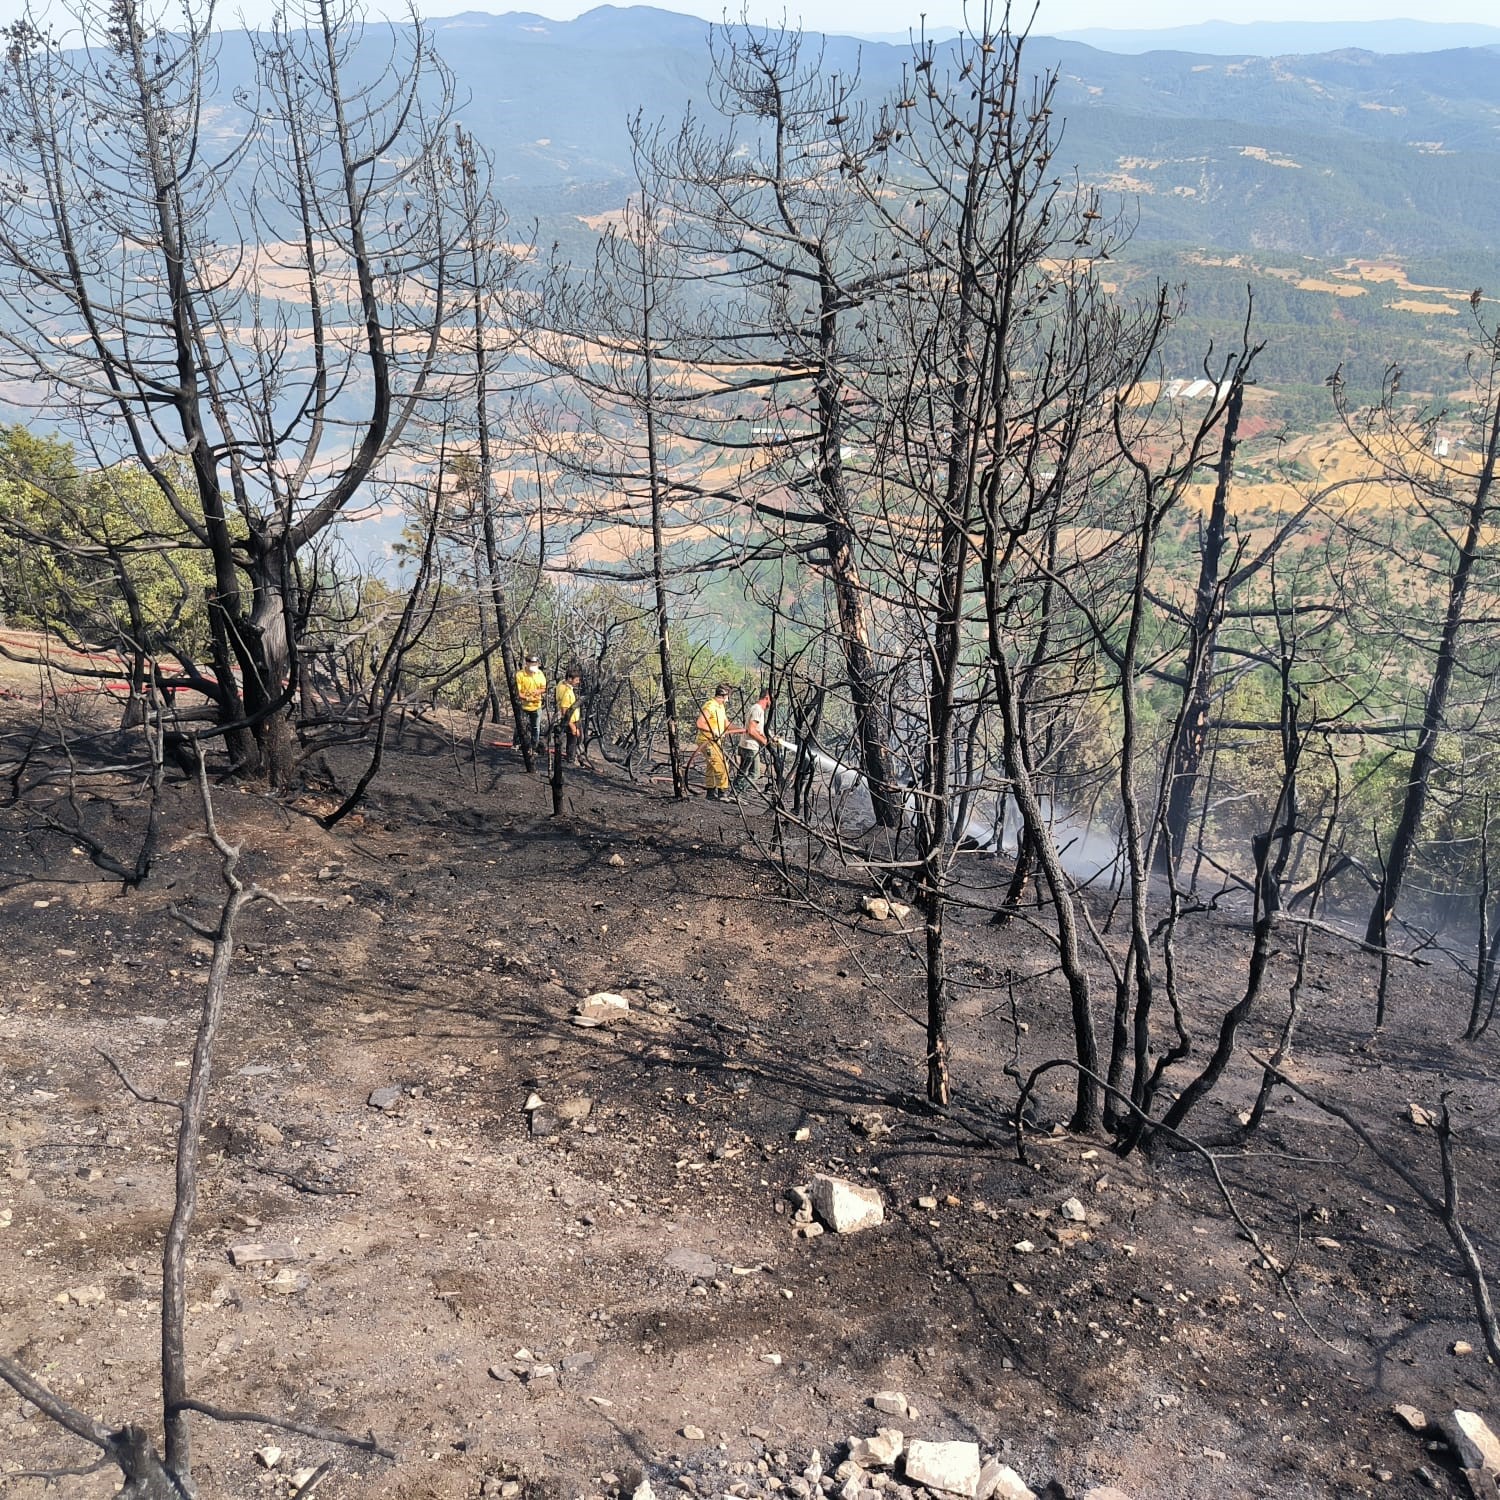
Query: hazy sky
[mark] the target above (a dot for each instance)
(866, 16)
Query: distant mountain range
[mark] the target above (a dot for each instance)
(1289, 38)
(1344, 153)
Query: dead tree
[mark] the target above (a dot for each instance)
(181, 349)
(766, 192)
(619, 339)
(490, 270)
(1458, 494)
(150, 1474)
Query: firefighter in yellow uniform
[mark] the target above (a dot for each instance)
(713, 725)
(531, 687)
(570, 715)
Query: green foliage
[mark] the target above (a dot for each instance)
(100, 555)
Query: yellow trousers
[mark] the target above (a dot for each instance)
(715, 767)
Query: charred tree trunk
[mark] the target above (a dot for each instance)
(658, 548)
(1434, 710)
(1192, 739)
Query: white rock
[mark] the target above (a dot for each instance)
(579, 1107)
(844, 1207)
(301, 1476)
(1074, 1211)
(693, 1434)
(1476, 1445)
(615, 862)
(533, 1101)
(268, 1457)
(998, 1481)
(81, 1296)
(643, 1491)
(1413, 1418)
(892, 1403)
(878, 1452)
(877, 908)
(600, 1009)
(899, 910)
(950, 1467)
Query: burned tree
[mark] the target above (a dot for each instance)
(250, 324)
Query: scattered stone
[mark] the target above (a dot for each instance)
(266, 1134)
(256, 1253)
(1105, 1492)
(1074, 1212)
(1462, 1347)
(810, 1231)
(577, 1362)
(1423, 1119)
(541, 1123)
(879, 1452)
(286, 1282)
(542, 1377)
(268, 1457)
(693, 1434)
(871, 1124)
(301, 1477)
(950, 1467)
(930, 1204)
(899, 910)
(600, 1009)
(693, 1263)
(6, 1214)
(576, 1108)
(533, 1101)
(385, 1098)
(998, 1481)
(1023, 1247)
(1473, 1441)
(81, 1296)
(771, 1359)
(892, 1403)
(1413, 1418)
(877, 908)
(615, 862)
(501, 1372)
(643, 1491)
(844, 1207)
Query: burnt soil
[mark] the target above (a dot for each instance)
(438, 942)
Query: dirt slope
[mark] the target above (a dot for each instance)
(440, 1248)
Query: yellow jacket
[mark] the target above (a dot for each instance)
(713, 719)
(567, 703)
(530, 686)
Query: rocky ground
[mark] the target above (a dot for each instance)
(623, 1283)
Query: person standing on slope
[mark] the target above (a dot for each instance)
(753, 743)
(531, 688)
(570, 715)
(713, 725)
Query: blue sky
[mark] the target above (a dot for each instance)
(867, 16)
